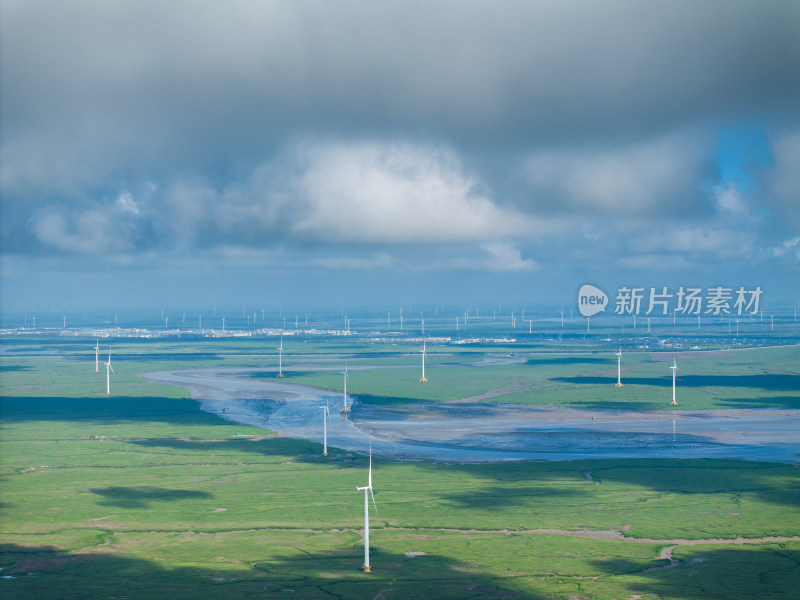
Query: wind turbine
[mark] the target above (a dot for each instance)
(97, 356)
(423, 362)
(619, 368)
(325, 413)
(674, 368)
(345, 411)
(110, 369)
(280, 359)
(367, 489)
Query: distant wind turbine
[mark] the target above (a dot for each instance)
(674, 368)
(109, 369)
(367, 489)
(280, 359)
(326, 413)
(97, 356)
(345, 411)
(423, 362)
(619, 368)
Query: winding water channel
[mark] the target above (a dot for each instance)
(485, 432)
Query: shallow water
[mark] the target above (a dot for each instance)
(480, 432)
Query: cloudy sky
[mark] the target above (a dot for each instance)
(194, 152)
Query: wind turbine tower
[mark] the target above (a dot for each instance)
(345, 410)
(109, 369)
(619, 368)
(97, 356)
(674, 368)
(326, 413)
(280, 359)
(367, 490)
(423, 362)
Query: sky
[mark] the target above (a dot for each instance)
(260, 153)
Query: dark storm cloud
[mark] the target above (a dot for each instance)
(218, 81)
(516, 134)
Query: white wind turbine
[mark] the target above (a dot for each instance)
(619, 368)
(367, 489)
(97, 356)
(345, 411)
(109, 370)
(423, 362)
(674, 368)
(280, 359)
(325, 413)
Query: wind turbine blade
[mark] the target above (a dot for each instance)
(369, 485)
(373, 500)
(112, 370)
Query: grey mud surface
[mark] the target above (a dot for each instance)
(482, 432)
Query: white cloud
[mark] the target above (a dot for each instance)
(697, 241)
(656, 176)
(88, 232)
(126, 203)
(503, 256)
(381, 260)
(730, 199)
(787, 246)
(394, 193)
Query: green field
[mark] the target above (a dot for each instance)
(141, 495)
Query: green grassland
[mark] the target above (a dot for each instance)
(142, 495)
(757, 378)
